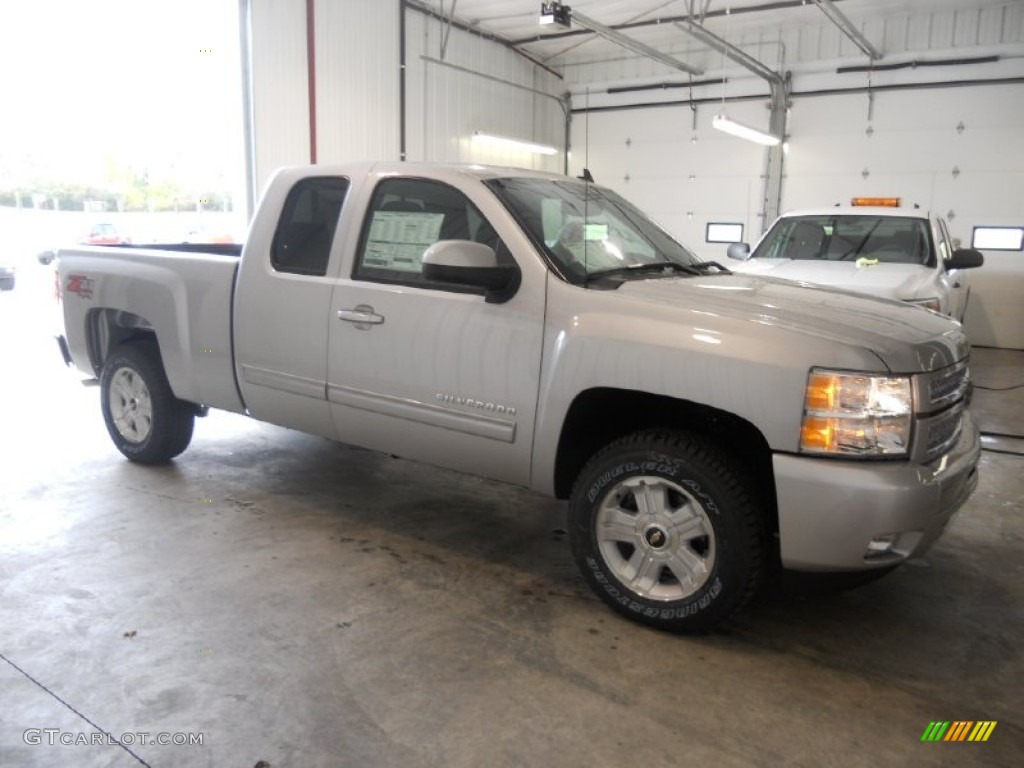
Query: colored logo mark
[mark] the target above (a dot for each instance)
(959, 730)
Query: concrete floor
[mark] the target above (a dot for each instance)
(300, 603)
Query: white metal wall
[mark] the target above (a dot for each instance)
(649, 154)
(810, 42)
(278, 98)
(681, 176)
(477, 85)
(957, 151)
(357, 80)
(480, 85)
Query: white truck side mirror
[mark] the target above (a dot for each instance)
(738, 251)
(465, 262)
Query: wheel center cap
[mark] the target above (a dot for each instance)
(656, 537)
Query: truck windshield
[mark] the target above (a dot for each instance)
(587, 230)
(885, 239)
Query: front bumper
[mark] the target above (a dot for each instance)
(839, 515)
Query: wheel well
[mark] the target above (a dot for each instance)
(108, 328)
(599, 416)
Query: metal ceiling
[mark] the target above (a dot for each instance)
(689, 35)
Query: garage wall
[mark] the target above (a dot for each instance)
(480, 85)
(956, 151)
(683, 177)
(278, 103)
(473, 84)
(357, 80)
(916, 150)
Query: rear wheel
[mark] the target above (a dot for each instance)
(666, 532)
(147, 423)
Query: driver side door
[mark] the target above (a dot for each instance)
(427, 370)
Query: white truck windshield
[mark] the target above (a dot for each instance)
(587, 230)
(886, 239)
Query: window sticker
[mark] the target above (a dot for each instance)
(398, 239)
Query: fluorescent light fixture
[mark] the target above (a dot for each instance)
(503, 142)
(998, 238)
(727, 125)
(722, 232)
(555, 13)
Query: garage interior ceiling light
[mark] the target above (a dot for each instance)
(507, 143)
(555, 13)
(727, 125)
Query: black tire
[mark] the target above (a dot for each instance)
(683, 545)
(147, 423)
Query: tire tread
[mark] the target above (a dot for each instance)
(697, 448)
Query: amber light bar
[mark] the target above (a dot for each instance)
(876, 202)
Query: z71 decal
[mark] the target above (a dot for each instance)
(79, 284)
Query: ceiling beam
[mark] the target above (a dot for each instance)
(640, 24)
(634, 45)
(743, 59)
(847, 28)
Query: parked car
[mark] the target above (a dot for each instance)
(6, 278)
(105, 234)
(540, 330)
(885, 251)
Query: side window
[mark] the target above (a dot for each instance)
(407, 216)
(302, 242)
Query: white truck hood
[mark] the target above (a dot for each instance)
(902, 282)
(906, 338)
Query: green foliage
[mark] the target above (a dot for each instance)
(137, 194)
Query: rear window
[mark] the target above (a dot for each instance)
(302, 242)
(884, 239)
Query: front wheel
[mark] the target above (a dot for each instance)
(666, 532)
(147, 423)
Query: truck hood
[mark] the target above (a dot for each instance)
(906, 338)
(891, 281)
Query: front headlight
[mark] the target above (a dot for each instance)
(856, 414)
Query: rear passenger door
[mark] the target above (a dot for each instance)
(282, 309)
(426, 370)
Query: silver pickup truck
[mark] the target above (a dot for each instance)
(540, 330)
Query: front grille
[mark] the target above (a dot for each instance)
(941, 402)
(945, 387)
(942, 431)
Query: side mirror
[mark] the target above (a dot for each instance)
(965, 258)
(45, 257)
(738, 251)
(464, 262)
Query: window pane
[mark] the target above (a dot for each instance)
(406, 217)
(302, 242)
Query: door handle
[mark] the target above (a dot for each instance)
(362, 315)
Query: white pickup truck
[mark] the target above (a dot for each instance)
(872, 247)
(541, 331)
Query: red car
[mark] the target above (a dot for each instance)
(105, 234)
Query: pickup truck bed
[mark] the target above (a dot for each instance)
(184, 290)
